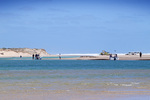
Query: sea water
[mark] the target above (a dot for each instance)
(74, 75)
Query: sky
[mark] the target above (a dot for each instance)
(76, 26)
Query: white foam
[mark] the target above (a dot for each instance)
(80, 54)
(126, 84)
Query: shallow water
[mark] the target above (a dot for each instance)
(61, 76)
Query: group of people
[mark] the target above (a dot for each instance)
(115, 57)
(36, 57)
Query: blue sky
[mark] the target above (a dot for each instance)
(76, 26)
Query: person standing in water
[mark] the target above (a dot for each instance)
(33, 56)
(140, 54)
(59, 56)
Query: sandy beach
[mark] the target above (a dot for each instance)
(80, 57)
(24, 52)
(17, 85)
(106, 57)
(74, 50)
(27, 52)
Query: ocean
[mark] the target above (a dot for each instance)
(94, 77)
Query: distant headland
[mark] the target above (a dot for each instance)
(28, 52)
(25, 52)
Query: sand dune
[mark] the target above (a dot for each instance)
(25, 52)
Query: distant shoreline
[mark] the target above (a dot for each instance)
(85, 57)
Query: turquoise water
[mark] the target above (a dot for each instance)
(43, 58)
(71, 64)
(73, 76)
